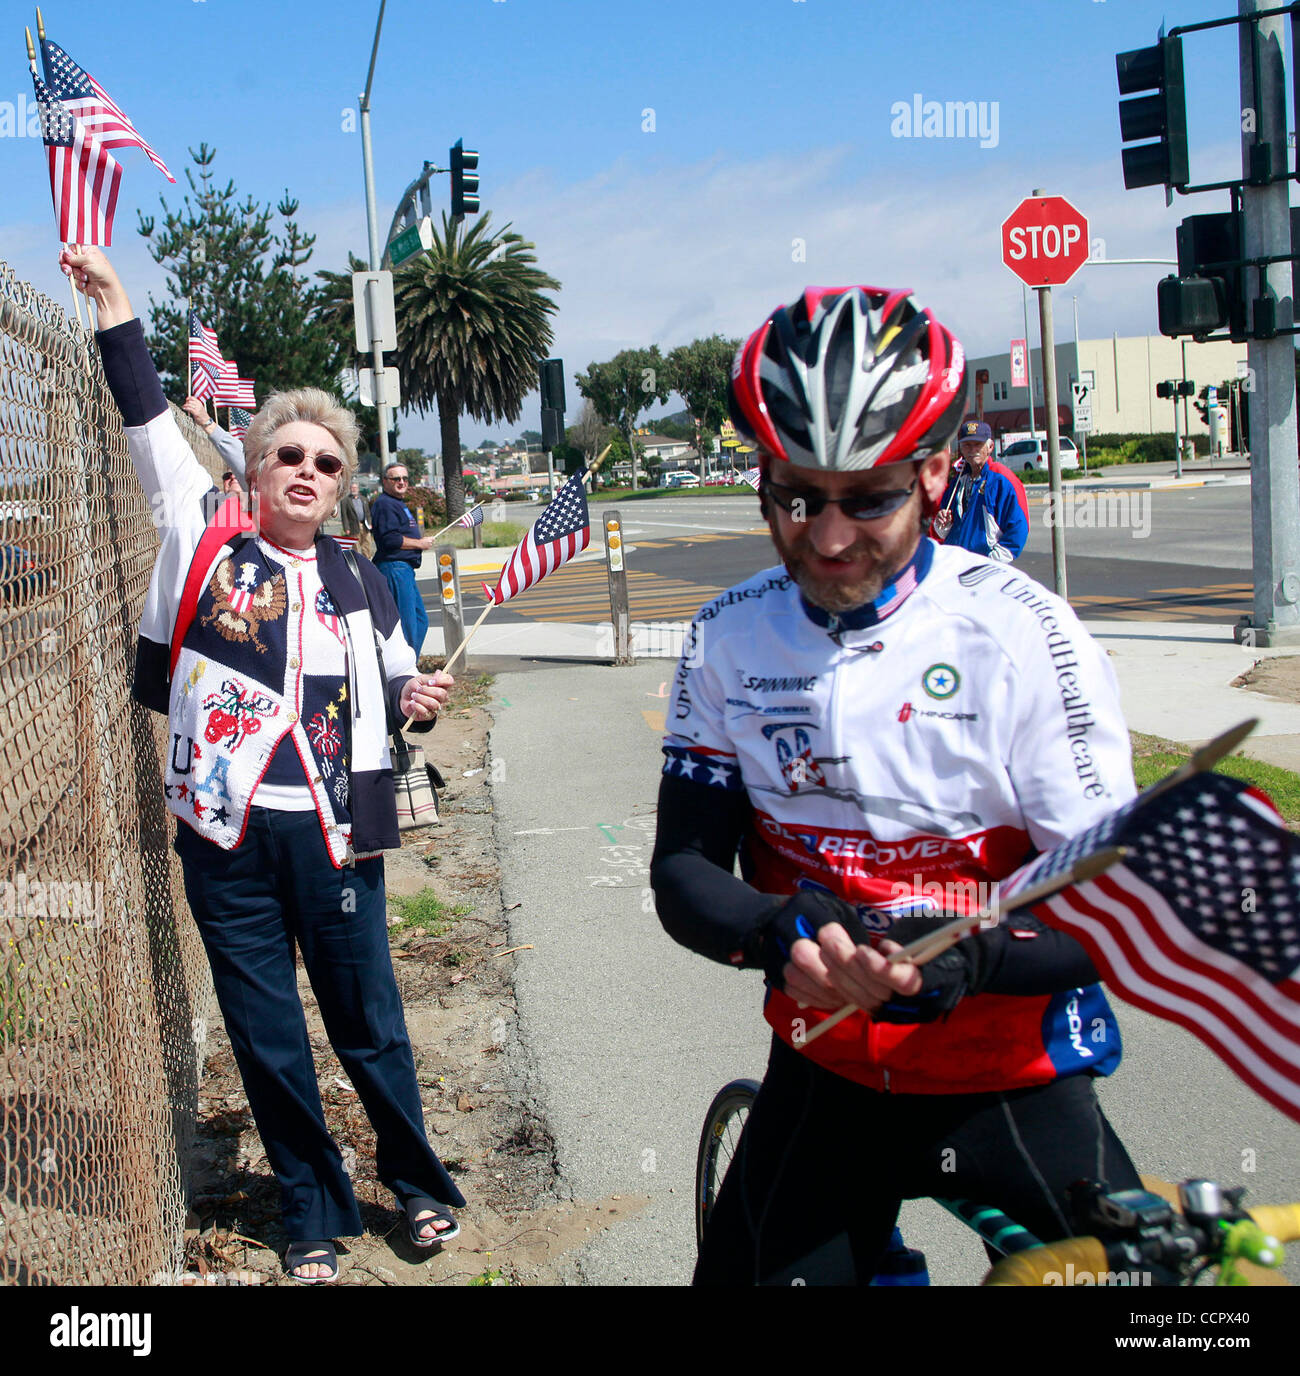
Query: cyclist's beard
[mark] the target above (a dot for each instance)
(833, 595)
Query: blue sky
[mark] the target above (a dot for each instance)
(681, 165)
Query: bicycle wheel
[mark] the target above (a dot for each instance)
(718, 1141)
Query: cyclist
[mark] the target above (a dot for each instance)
(884, 726)
(984, 508)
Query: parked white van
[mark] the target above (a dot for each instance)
(1030, 455)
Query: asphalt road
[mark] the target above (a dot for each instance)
(631, 1034)
(1171, 555)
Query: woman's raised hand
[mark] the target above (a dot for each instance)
(93, 275)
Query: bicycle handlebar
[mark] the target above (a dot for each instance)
(1089, 1261)
(1281, 1220)
(1070, 1258)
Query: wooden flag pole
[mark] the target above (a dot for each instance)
(456, 522)
(925, 948)
(460, 649)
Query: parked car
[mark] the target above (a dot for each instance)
(1030, 456)
(680, 479)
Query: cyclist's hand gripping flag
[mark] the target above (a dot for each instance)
(560, 532)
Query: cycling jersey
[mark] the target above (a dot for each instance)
(910, 754)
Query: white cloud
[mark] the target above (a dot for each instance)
(649, 252)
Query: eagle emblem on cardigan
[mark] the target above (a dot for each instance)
(240, 603)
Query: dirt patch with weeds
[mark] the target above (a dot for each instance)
(455, 971)
(1278, 677)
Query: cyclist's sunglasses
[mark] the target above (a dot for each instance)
(865, 506)
(292, 455)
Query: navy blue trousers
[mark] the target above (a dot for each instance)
(252, 905)
(410, 604)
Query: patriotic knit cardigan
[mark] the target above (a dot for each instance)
(220, 650)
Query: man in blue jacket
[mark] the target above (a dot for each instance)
(399, 550)
(983, 508)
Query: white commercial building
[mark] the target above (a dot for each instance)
(1122, 373)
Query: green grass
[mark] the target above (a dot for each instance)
(1154, 757)
(424, 909)
(496, 535)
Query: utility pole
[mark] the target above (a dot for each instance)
(1275, 480)
(372, 229)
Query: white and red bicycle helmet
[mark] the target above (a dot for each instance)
(848, 378)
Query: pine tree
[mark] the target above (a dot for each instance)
(244, 278)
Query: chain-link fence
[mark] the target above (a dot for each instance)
(104, 987)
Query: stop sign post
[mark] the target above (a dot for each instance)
(1045, 242)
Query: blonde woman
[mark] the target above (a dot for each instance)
(259, 645)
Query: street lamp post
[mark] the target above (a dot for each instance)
(372, 230)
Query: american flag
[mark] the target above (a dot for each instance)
(1199, 922)
(750, 476)
(201, 383)
(204, 348)
(233, 390)
(560, 532)
(245, 589)
(472, 518)
(240, 420)
(84, 176)
(81, 95)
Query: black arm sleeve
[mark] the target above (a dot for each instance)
(1026, 956)
(700, 901)
(129, 369)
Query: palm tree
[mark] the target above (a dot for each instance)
(472, 327)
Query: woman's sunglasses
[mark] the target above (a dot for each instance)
(292, 455)
(866, 506)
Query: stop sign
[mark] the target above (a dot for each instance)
(1045, 241)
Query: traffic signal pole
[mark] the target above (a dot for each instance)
(1275, 478)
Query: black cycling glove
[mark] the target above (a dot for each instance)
(945, 980)
(803, 916)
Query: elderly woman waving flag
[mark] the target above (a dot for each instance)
(259, 644)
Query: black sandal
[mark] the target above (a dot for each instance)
(298, 1255)
(419, 1204)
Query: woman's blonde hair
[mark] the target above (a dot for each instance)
(309, 404)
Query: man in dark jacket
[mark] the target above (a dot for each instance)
(399, 548)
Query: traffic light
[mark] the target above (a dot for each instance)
(552, 384)
(1175, 388)
(1161, 117)
(1208, 292)
(552, 428)
(464, 180)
